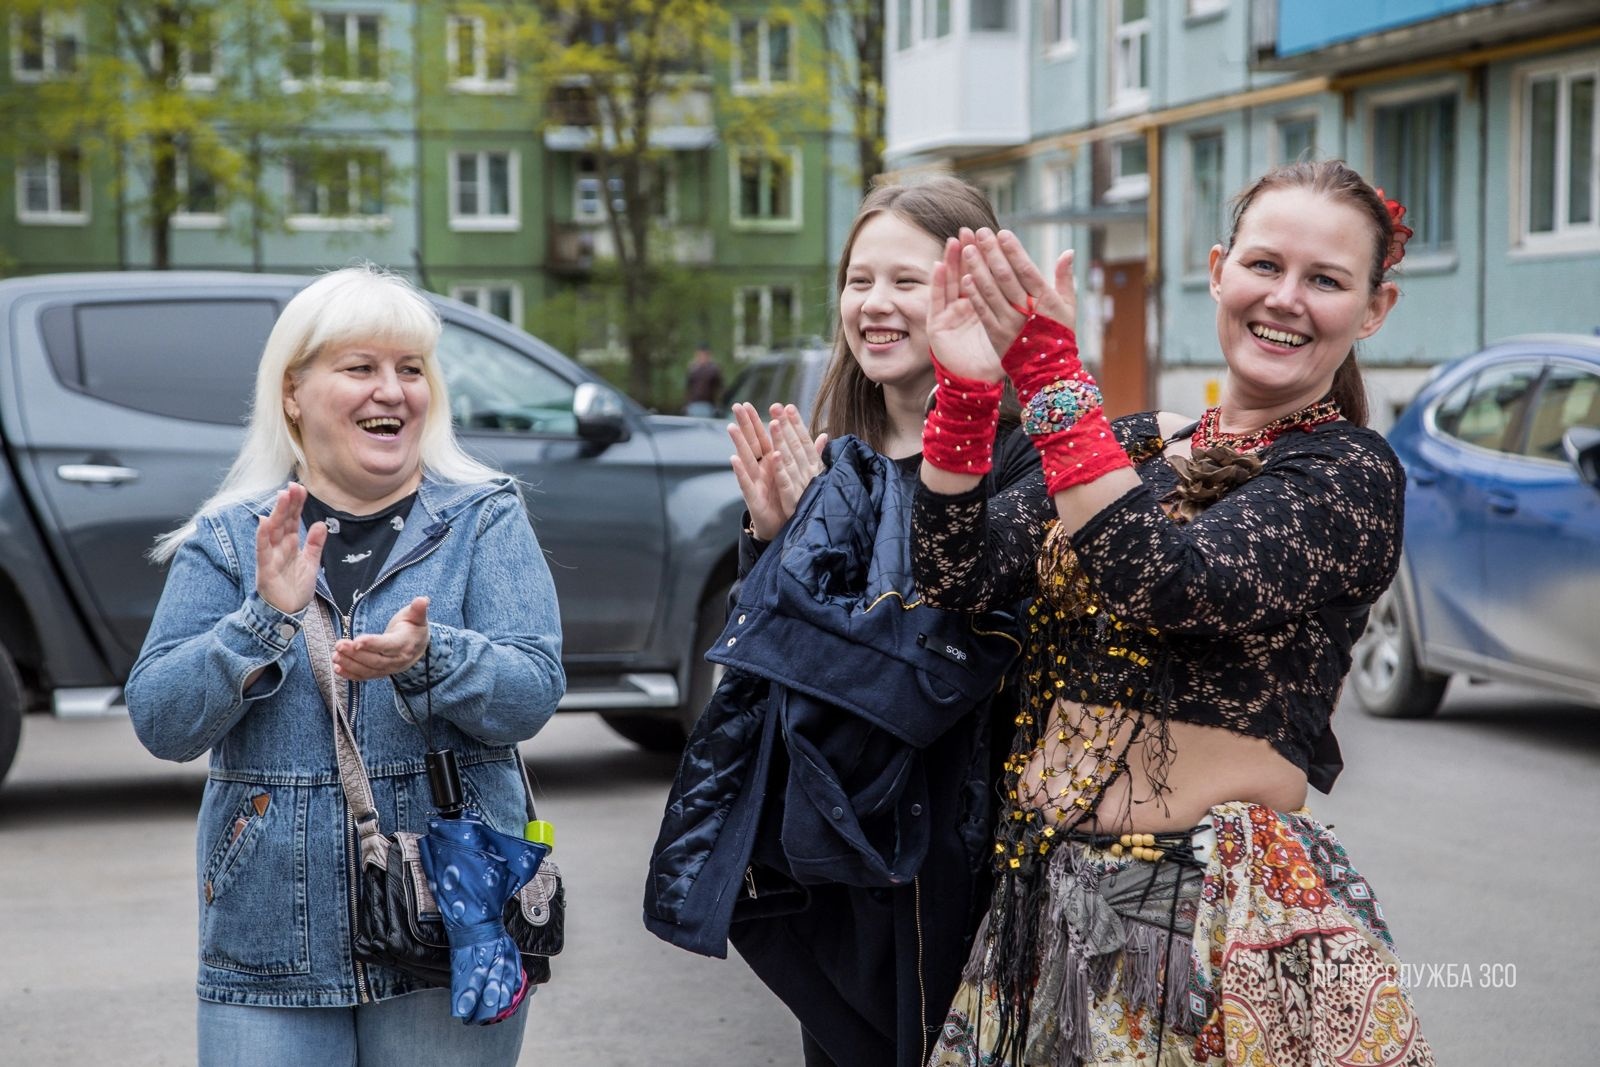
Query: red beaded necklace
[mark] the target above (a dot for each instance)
(1209, 432)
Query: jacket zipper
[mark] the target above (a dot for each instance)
(435, 535)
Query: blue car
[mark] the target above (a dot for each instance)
(1501, 573)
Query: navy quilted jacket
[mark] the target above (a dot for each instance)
(832, 656)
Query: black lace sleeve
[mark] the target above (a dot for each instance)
(976, 550)
(1320, 523)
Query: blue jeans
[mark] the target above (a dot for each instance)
(413, 1029)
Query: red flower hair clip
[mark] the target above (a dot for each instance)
(1402, 232)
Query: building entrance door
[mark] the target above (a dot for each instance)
(1124, 369)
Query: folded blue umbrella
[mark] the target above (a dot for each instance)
(473, 870)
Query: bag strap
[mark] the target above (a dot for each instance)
(319, 634)
(318, 630)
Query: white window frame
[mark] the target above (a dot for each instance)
(53, 215)
(482, 221)
(744, 351)
(1279, 153)
(1125, 40)
(1201, 233)
(762, 81)
(477, 295)
(916, 22)
(1058, 189)
(479, 81)
(200, 83)
(54, 25)
(353, 158)
(377, 84)
(1125, 187)
(1195, 10)
(1421, 258)
(1566, 237)
(183, 218)
(999, 187)
(765, 223)
(1058, 28)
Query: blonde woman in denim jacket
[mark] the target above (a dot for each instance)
(429, 550)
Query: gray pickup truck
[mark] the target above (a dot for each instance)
(122, 401)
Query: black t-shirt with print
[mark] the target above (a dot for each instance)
(358, 545)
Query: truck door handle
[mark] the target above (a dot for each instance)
(95, 473)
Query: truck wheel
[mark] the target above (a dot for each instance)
(13, 705)
(667, 731)
(1388, 680)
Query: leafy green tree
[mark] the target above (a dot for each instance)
(195, 97)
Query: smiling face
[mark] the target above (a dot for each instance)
(1293, 294)
(883, 307)
(359, 409)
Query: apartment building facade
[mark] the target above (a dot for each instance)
(1130, 123)
(460, 171)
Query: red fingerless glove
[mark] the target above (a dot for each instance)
(958, 435)
(1061, 409)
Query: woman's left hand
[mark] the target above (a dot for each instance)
(799, 458)
(401, 644)
(956, 332)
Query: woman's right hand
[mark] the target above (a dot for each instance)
(1006, 288)
(286, 571)
(767, 477)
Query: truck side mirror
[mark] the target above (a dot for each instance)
(601, 417)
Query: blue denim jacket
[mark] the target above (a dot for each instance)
(275, 856)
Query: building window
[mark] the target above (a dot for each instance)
(764, 316)
(1056, 31)
(925, 20)
(1000, 190)
(1205, 222)
(991, 15)
(336, 46)
(483, 191)
(51, 189)
(1560, 146)
(476, 55)
(197, 51)
(1130, 170)
(45, 44)
(200, 206)
(1060, 192)
(1297, 138)
(763, 54)
(1130, 54)
(336, 190)
(500, 299)
(767, 189)
(587, 205)
(1414, 161)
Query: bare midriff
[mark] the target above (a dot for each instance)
(1205, 766)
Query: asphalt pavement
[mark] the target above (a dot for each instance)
(1476, 829)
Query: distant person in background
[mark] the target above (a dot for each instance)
(703, 389)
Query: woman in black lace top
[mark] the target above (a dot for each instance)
(1163, 895)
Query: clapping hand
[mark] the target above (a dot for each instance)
(379, 655)
(773, 464)
(957, 334)
(286, 570)
(1005, 287)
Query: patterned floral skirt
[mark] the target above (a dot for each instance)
(1261, 947)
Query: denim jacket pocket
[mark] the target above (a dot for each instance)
(253, 911)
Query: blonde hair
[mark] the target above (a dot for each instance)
(357, 304)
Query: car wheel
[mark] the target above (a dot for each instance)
(13, 705)
(1388, 680)
(667, 731)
